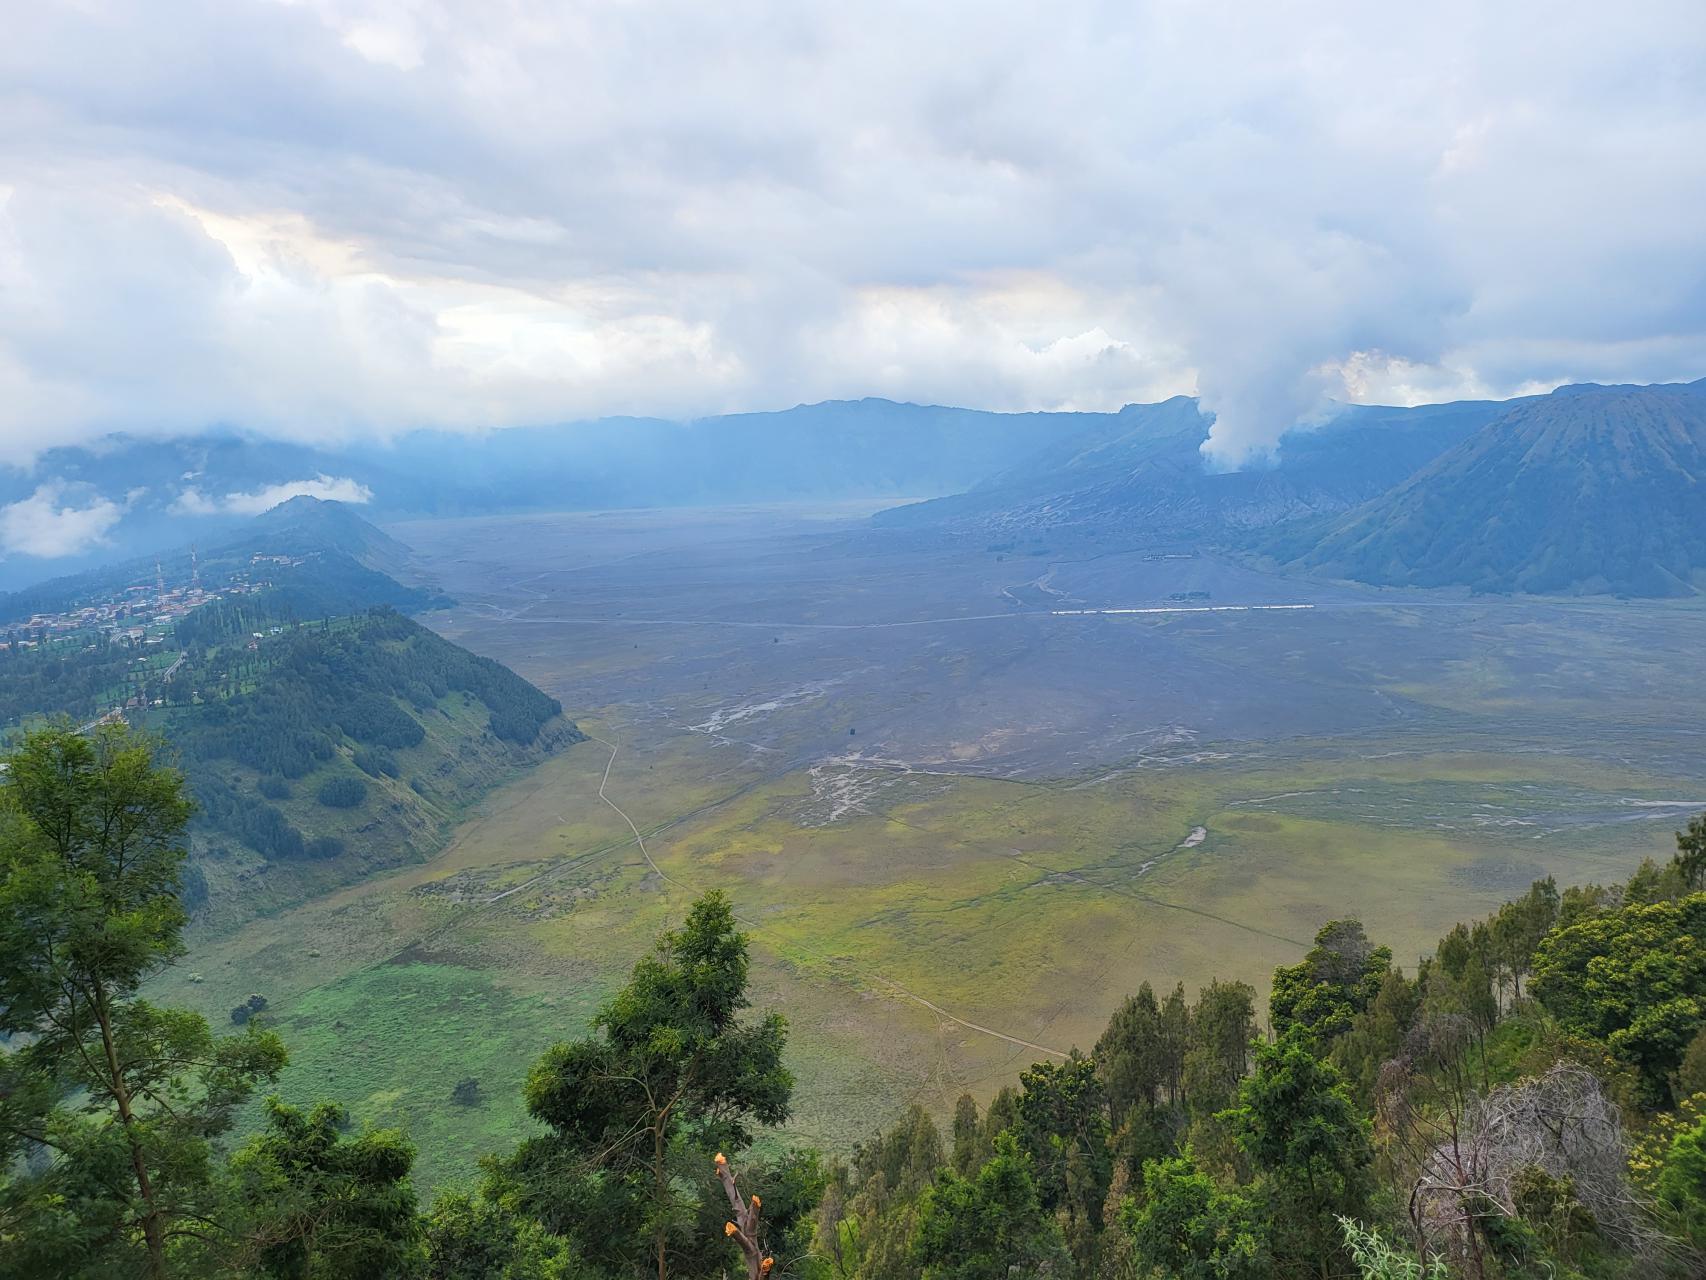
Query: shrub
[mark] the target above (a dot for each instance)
(273, 787)
(342, 793)
(248, 1009)
(375, 764)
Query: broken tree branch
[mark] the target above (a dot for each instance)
(744, 1229)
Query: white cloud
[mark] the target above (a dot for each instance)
(49, 524)
(420, 212)
(193, 502)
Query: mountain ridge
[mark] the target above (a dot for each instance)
(1592, 489)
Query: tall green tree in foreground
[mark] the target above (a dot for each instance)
(637, 1112)
(310, 1202)
(1296, 1122)
(990, 1226)
(109, 1108)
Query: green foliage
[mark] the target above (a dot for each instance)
(1690, 858)
(1297, 1123)
(1634, 978)
(1376, 1035)
(352, 680)
(1187, 1227)
(376, 764)
(1682, 1184)
(114, 1101)
(341, 792)
(472, 1238)
(988, 1227)
(1549, 1206)
(313, 1203)
(1063, 1123)
(1376, 1259)
(1217, 1053)
(673, 1076)
(1337, 980)
(1691, 1073)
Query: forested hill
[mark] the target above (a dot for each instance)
(317, 752)
(338, 748)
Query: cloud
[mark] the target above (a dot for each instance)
(49, 525)
(427, 213)
(193, 502)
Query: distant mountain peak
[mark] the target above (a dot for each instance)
(1588, 489)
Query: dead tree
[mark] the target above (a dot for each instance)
(744, 1229)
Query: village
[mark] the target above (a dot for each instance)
(139, 614)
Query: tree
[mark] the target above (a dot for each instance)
(637, 1111)
(1063, 1124)
(123, 1097)
(1376, 1035)
(473, 1238)
(1129, 1056)
(1337, 980)
(1682, 1184)
(969, 1150)
(988, 1227)
(1062, 1114)
(324, 1206)
(1223, 1023)
(1634, 978)
(1691, 1074)
(1519, 927)
(1690, 861)
(1300, 1129)
(1188, 1228)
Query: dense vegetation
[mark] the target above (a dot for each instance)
(1531, 1102)
(258, 704)
(291, 712)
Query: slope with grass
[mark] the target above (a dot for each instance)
(1590, 489)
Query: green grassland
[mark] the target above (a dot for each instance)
(1024, 908)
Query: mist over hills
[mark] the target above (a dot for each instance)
(174, 491)
(344, 564)
(1589, 489)
(1142, 474)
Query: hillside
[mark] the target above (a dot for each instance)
(325, 736)
(1140, 474)
(1590, 489)
(332, 750)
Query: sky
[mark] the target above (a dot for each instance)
(318, 220)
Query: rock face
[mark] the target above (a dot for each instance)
(1590, 489)
(1140, 475)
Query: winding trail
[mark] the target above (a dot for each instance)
(757, 927)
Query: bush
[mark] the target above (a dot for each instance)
(376, 719)
(342, 793)
(375, 764)
(273, 787)
(248, 1009)
(323, 847)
